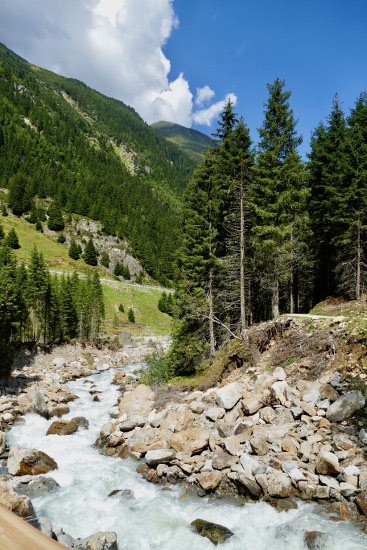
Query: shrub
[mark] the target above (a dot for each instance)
(131, 316)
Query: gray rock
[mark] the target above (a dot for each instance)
(330, 482)
(35, 487)
(81, 421)
(216, 533)
(316, 540)
(104, 540)
(2, 442)
(45, 525)
(159, 456)
(345, 406)
(229, 395)
(249, 463)
(250, 483)
(65, 539)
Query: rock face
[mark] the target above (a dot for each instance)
(104, 540)
(19, 504)
(229, 395)
(62, 427)
(345, 406)
(216, 533)
(29, 462)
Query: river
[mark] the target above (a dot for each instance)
(147, 516)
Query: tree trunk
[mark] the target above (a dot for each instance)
(359, 260)
(211, 314)
(275, 300)
(243, 323)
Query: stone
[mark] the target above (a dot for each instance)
(19, 504)
(254, 401)
(228, 395)
(232, 444)
(296, 475)
(209, 481)
(279, 485)
(139, 401)
(259, 446)
(130, 425)
(347, 490)
(59, 362)
(35, 487)
(290, 445)
(312, 396)
(23, 461)
(296, 411)
(361, 503)
(278, 389)
(308, 408)
(351, 470)
(65, 539)
(223, 460)
(214, 413)
(59, 410)
(268, 415)
(196, 407)
(305, 450)
(327, 464)
(62, 427)
(159, 456)
(250, 483)
(345, 406)
(45, 525)
(249, 463)
(217, 534)
(330, 482)
(279, 374)
(289, 465)
(191, 440)
(2, 442)
(104, 540)
(328, 392)
(81, 422)
(315, 540)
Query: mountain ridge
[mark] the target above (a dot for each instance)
(193, 142)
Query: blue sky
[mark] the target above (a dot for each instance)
(135, 50)
(318, 46)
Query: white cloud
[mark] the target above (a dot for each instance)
(115, 46)
(206, 116)
(203, 95)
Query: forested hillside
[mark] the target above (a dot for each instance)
(94, 155)
(266, 232)
(193, 142)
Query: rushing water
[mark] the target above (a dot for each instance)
(152, 517)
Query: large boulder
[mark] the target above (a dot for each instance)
(229, 395)
(159, 456)
(191, 440)
(62, 427)
(345, 406)
(138, 402)
(209, 481)
(216, 533)
(104, 540)
(23, 461)
(19, 504)
(36, 486)
(327, 464)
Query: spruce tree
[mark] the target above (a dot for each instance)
(55, 220)
(105, 259)
(74, 251)
(131, 316)
(277, 196)
(12, 239)
(90, 253)
(327, 169)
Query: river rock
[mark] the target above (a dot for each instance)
(81, 421)
(209, 481)
(23, 461)
(19, 504)
(139, 401)
(259, 445)
(191, 440)
(279, 485)
(62, 427)
(65, 539)
(228, 395)
(345, 406)
(36, 487)
(361, 502)
(223, 460)
(2, 442)
(327, 464)
(216, 533)
(159, 456)
(250, 483)
(268, 415)
(315, 540)
(104, 540)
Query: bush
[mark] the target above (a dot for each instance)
(157, 372)
(74, 251)
(39, 226)
(61, 238)
(165, 304)
(105, 260)
(12, 239)
(131, 316)
(121, 308)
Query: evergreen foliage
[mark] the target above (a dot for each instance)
(74, 250)
(90, 253)
(12, 239)
(131, 316)
(55, 219)
(166, 303)
(105, 259)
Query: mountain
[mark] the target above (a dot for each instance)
(94, 155)
(193, 142)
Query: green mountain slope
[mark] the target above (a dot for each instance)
(95, 155)
(193, 142)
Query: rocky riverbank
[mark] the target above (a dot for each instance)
(257, 435)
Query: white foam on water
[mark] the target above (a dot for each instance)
(153, 518)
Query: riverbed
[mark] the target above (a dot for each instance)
(146, 516)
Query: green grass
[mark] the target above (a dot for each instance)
(144, 302)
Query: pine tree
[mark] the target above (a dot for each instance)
(74, 251)
(55, 219)
(105, 259)
(20, 194)
(277, 196)
(90, 253)
(131, 316)
(38, 294)
(12, 239)
(2, 233)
